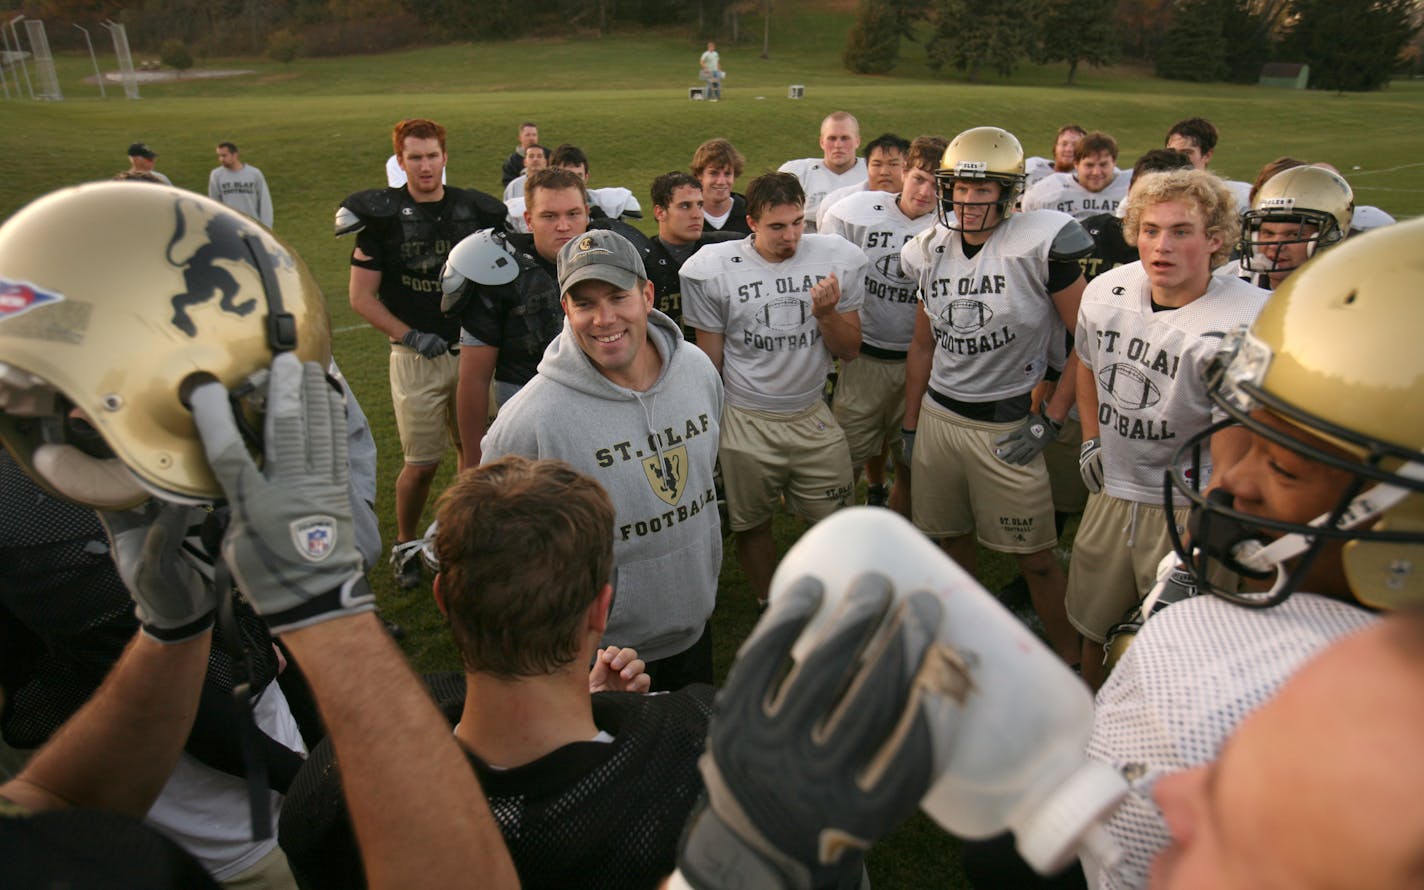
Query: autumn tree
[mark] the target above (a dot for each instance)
(974, 34)
(1076, 31)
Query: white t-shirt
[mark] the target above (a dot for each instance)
(711, 62)
(1150, 370)
(1061, 192)
(874, 222)
(991, 315)
(773, 355)
(818, 181)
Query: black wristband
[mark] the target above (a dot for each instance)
(182, 632)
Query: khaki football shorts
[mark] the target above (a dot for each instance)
(870, 405)
(423, 395)
(764, 456)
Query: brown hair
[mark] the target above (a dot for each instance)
(525, 546)
(552, 179)
(1206, 190)
(418, 128)
(1094, 143)
(1271, 169)
(771, 190)
(926, 153)
(717, 153)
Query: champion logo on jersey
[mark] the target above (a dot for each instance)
(736, 259)
(19, 297)
(1119, 291)
(407, 211)
(315, 537)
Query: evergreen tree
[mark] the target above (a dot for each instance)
(1349, 46)
(973, 34)
(873, 45)
(1194, 46)
(1079, 31)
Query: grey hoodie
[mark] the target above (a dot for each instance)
(653, 452)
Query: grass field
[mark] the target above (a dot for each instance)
(319, 129)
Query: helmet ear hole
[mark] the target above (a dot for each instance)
(191, 383)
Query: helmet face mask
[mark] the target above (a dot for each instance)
(95, 355)
(1307, 206)
(980, 155)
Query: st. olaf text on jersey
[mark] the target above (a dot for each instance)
(668, 437)
(1156, 361)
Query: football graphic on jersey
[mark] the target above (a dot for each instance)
(787, 314)
(966, 316)
(1129, 387)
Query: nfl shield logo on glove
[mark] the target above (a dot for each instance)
(315, 536)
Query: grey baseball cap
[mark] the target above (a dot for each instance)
(600, 255)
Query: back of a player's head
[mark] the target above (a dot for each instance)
(887, 143)
(570, 156)
(1198, 129)
(773, 190)
(665, 186)
(552, 179)
(1095, 143)
(1160, 160)
(717, 153)
(926, 153)
(416, 128)
(525, 547)
(1205, 190)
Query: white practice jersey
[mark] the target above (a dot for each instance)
(874, 222)
(773, 356)
(1035, 169)
(1150, 371)
(1369, 217)
(991, 316)
(1195, 671)
(830, 201)
(1061, 192)
(818, 181)
(1241, 191)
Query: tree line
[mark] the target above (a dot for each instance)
(1348, 45)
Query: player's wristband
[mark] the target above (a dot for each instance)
(199, 625)
(352, 597)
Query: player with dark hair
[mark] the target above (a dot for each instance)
(1146, 334)
(514, 164)
(678, 208)
(717, 164)
(1095, 184)
(240, 185)
(771, 311)
(884, 172)
(589, 787)
(1196, 137)
(990, 282)
(404, 237)
(869, 399)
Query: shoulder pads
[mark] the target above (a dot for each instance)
(484, 258)
(1071, 242)
(711, 237)
(359, 207)
(475, 204)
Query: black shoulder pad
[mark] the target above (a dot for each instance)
(1071, 242)
(474, 204)
(373, 203)
(711, 237)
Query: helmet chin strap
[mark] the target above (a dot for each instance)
(1253, 554)
(102, 483)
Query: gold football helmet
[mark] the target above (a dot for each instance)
(113, 298)
(1333, 353)
(1312, 207)
(983, 153)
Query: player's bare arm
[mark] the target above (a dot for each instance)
(472, 398)
(711, 343)
(841, 329)
(363, 293)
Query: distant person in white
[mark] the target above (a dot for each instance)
(1196, 138)
(240, 186)
(837, 167)
(141, 159)
(1064, 143)
(1095, 185)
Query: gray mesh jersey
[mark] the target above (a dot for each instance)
(773, 356)
(874, 222)
(1150, 370)
(1195, 671)
(592, 815)
(992, 315)
(1061, 192)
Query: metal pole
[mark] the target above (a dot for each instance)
(95, 59)
(15, 35)
(4, 52)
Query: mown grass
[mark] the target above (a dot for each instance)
(319, 129)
